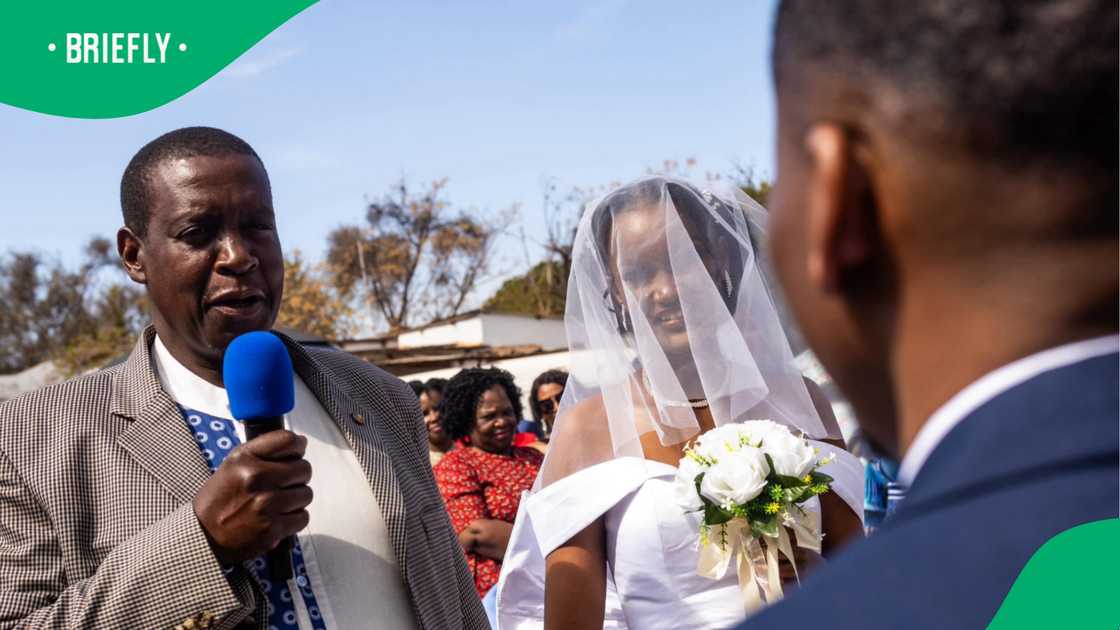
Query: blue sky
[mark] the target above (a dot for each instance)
(349, 96)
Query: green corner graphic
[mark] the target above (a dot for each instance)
(111, 59)
(1070, 582)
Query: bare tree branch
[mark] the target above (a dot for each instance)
(422, 260)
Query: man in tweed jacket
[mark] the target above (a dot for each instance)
(109, 515)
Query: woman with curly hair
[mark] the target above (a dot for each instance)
(482, 481)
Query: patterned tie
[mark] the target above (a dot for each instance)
(216, 437)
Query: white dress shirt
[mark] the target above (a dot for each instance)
(992, 384)
(346, 547)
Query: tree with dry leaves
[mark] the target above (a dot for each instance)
(121, 312)
(745, 177)
(311, 302)
(415, 258)
(55, 312)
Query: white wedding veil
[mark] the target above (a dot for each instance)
(668, 312)
(668, 308)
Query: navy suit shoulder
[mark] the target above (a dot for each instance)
(1037, 460)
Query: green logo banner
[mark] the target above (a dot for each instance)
(1070, 582)
(111, 59)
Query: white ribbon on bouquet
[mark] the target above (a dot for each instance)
(756, 557)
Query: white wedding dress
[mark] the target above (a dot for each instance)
(652, 547)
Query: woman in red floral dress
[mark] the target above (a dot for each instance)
(482, 482)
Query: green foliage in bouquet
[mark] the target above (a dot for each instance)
(766, 512)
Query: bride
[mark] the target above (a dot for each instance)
(672, 332)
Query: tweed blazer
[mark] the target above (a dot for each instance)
(97, 529)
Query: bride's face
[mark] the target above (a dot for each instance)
(643, 271)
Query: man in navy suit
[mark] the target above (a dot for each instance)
(944, 224)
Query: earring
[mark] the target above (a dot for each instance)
(727, 283)
(618, 310)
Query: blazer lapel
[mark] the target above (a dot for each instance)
(157, 438)
(359, 425)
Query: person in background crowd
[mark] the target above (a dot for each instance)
(439, 442)
(482, 481)
(544, 401)
(944, 224)
(417, 387)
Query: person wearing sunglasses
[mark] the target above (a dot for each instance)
(544, 401)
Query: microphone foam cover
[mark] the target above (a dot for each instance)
(257, 373)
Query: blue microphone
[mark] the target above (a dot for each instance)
(257, 373)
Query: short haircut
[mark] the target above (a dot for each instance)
(181, 143)
(463, 393)
(554, 377)
(1022, 82)
(417, 387)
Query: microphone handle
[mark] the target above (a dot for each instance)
(280, 558)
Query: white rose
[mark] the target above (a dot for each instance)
(684, 488)
(792, 455)
(737, 477)
(759, 429)
(718, 442)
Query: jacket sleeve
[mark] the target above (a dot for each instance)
(162, 577)
(474, 615)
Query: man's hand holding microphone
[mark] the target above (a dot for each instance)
(257, 499)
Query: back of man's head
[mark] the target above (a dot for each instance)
(1022, 84)
(947, 171)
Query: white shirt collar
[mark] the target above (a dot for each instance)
(992, 384)
(187, 388)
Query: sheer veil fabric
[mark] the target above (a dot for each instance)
(668, 311)
(667, 305)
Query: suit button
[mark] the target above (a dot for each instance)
(358, 418)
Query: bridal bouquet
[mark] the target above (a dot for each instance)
(750, 479)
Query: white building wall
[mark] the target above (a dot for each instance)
(490, 330)
(466, 334)
(511, 330)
